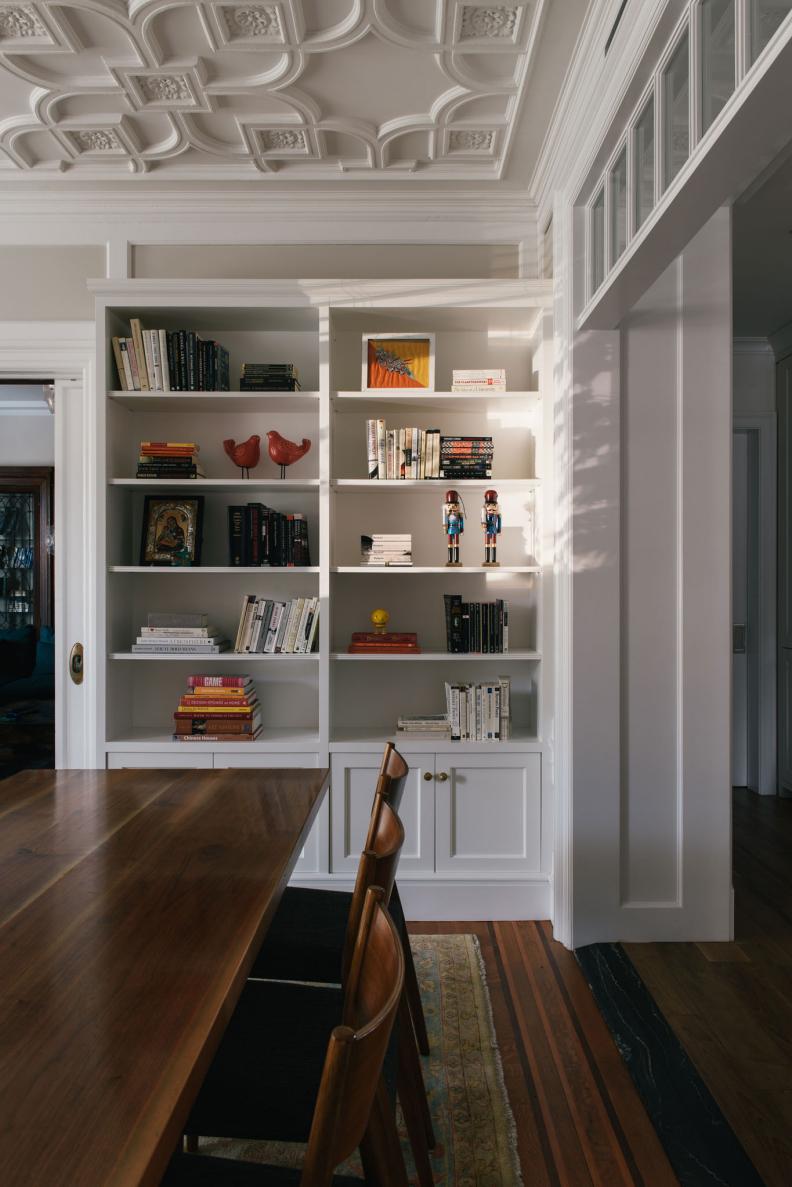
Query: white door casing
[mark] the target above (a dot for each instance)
(64, 352)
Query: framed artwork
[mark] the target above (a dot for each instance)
(172, 527)
(398, 360)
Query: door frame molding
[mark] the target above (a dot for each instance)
(64, 351)
(762, 434)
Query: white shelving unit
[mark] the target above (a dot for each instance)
(477, 814)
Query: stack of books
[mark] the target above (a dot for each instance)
(425, 725)
(218, 709)
(411, 453)
(387, 550)
(476, 627)
(169, 459)
(269, 377)
(479, 712)
(258, 535)
(179, 634)
(466, 457)
(486, 380)
(169, 360)
(277, 628)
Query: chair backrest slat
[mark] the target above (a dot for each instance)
(355, 1053)
(377, 867)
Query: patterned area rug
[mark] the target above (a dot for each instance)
(473, 1122)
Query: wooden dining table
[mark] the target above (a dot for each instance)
(132, 905)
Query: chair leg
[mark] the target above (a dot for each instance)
(415, 1128)
(380, 1149)
(190, 1143)
(414, 996)
(411, 1075)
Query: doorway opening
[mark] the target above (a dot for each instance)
(27, 524)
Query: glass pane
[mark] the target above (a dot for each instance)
(17, 558)
(643, 149)
(676, 112)
(766, 18)
(618, 184)
(717, 57)
(598, 241)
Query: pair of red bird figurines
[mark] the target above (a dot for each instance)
(284, 453)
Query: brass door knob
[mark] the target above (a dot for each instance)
(76, 663)
(442, 776)
(428, 776)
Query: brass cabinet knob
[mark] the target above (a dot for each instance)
(428, 776)
(442, 776)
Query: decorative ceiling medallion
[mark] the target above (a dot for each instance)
(282, 141)
(471, 140)
(488, 21)
(253, 22)
(97, 140)
(165, 88)
(21, 23)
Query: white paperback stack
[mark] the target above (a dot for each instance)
(479, 712)
(487, 379)
(179, 634)
(384, 549)
(267, 627)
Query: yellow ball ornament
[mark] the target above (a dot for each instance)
(379, 620)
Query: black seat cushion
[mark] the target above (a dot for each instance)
(305, 941)
(199, 1170)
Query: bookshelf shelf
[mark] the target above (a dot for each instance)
(235, 485)
(257, 402)
(506, 657)
(223, 657)
(225, 570)
(330, 708)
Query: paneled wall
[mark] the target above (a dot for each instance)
(651, 609)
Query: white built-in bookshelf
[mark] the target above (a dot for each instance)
(330, 707)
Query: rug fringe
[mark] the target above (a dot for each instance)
(511, 1124)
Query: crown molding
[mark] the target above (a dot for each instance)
(760, 346)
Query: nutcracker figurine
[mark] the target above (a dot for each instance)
(454, 524)
(491, 522)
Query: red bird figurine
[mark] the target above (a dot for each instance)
(284, 453)
(245, 455)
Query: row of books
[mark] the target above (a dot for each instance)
(269, 377)
(267, 627)
(179, 639)
(169, 360)
(476, 627)
(218, 709)
(413, 453)
(259, 535)
(479, 712)
(484, 379)
(169, 459)
(384, 549)
(424, 725)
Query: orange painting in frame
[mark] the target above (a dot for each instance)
(398, 361)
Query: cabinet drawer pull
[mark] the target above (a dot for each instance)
(428, 776)
(442, 776)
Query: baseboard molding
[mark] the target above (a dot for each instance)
(451, 899)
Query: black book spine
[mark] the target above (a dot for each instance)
(465, 613)
(235, 531)
(255, 534)
(183, 360)
(447, 602)
(485, 641)
(174, 378)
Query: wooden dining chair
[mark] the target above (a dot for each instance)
(257, 1088)
(351, 1109)
(308, 935)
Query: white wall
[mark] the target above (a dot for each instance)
(651, 548)
(27, 440)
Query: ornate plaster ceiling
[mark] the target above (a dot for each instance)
(298, 89)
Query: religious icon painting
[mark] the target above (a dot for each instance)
(172, 528)
(398, 360)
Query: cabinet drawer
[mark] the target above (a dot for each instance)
(264, 761)
(121, 759)
(488, 813)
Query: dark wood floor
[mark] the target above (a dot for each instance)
(579, 1119)
(731, 1004)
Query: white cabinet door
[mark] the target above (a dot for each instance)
(313, 858)
(354, 777)
(488, 813)
(120, 760)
